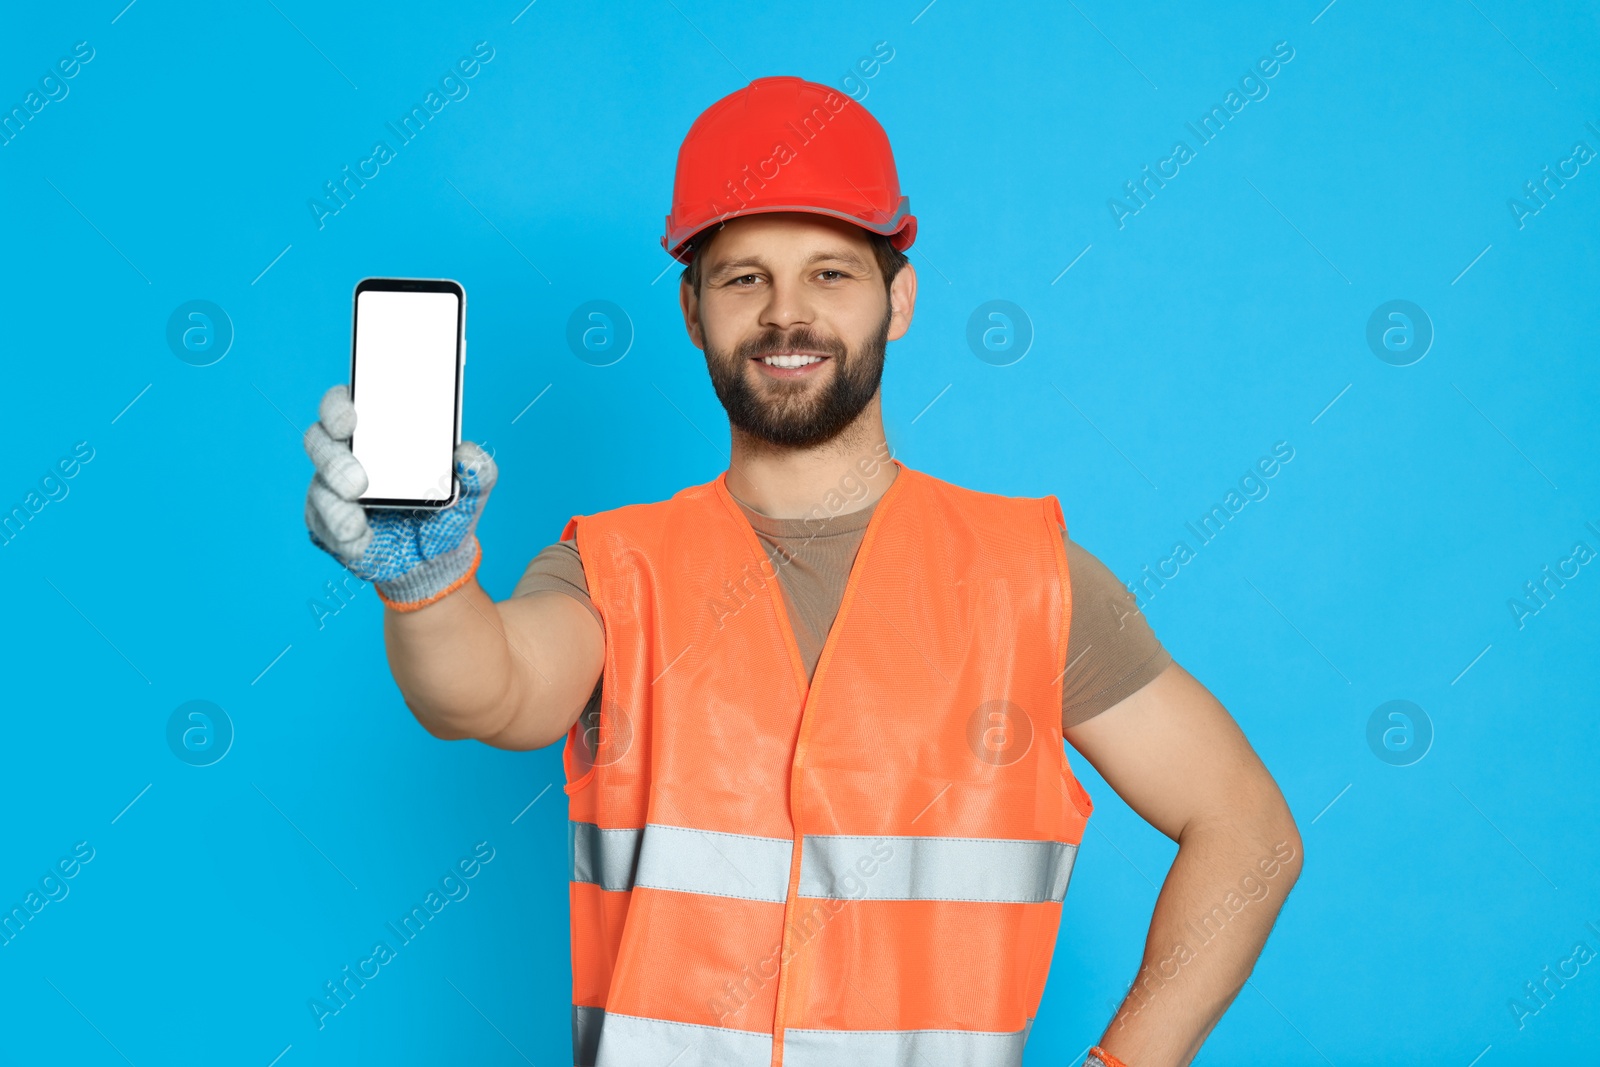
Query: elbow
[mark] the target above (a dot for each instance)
(462, 712)
(1281, 837)
(523, 742)
(1263, 833)
(1293, 858)
(520, 737)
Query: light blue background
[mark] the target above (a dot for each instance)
(1223, 318)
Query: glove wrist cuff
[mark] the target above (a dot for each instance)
(434, 579)
(1099, 1057)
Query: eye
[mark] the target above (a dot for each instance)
(742, 278)
(837, 273)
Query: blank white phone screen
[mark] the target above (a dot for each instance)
(405, 393)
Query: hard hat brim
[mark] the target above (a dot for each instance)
(900, 226)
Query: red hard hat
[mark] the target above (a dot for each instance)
(786, 144)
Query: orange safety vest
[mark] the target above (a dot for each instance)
(868, 868)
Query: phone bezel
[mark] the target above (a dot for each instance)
(414, 285)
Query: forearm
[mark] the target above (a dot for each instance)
(1211, 919)
(454, 665)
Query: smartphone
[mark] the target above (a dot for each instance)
(408, 347)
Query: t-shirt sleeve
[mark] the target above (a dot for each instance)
(558, 567)
(1111, 651)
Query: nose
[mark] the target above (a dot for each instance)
(788, 305)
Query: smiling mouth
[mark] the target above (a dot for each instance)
(790, 360)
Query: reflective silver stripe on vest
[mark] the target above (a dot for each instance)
(725, 865)
(586, 1024)
(847, 867)
(935, 868)
(629, 1041)
(902, 1048)
(606, 858)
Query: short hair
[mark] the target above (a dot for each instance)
(890, 259)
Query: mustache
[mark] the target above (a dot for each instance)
(778, 341)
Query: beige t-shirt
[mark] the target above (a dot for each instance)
(1111, 650)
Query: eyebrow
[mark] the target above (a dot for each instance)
(841, 255)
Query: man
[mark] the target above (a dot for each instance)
(818, 810)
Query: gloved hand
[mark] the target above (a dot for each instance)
(413, 558)
(1099, 1057)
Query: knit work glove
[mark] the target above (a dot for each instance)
(413, 558)
(1099, 1057)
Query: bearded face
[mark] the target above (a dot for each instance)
(798, 406)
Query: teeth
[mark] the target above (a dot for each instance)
(790, 361)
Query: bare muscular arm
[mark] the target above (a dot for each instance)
(513, 675)
(1176, 756)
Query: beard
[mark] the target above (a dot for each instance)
(798, 414)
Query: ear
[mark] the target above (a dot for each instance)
(690, 303)
(902, 301)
